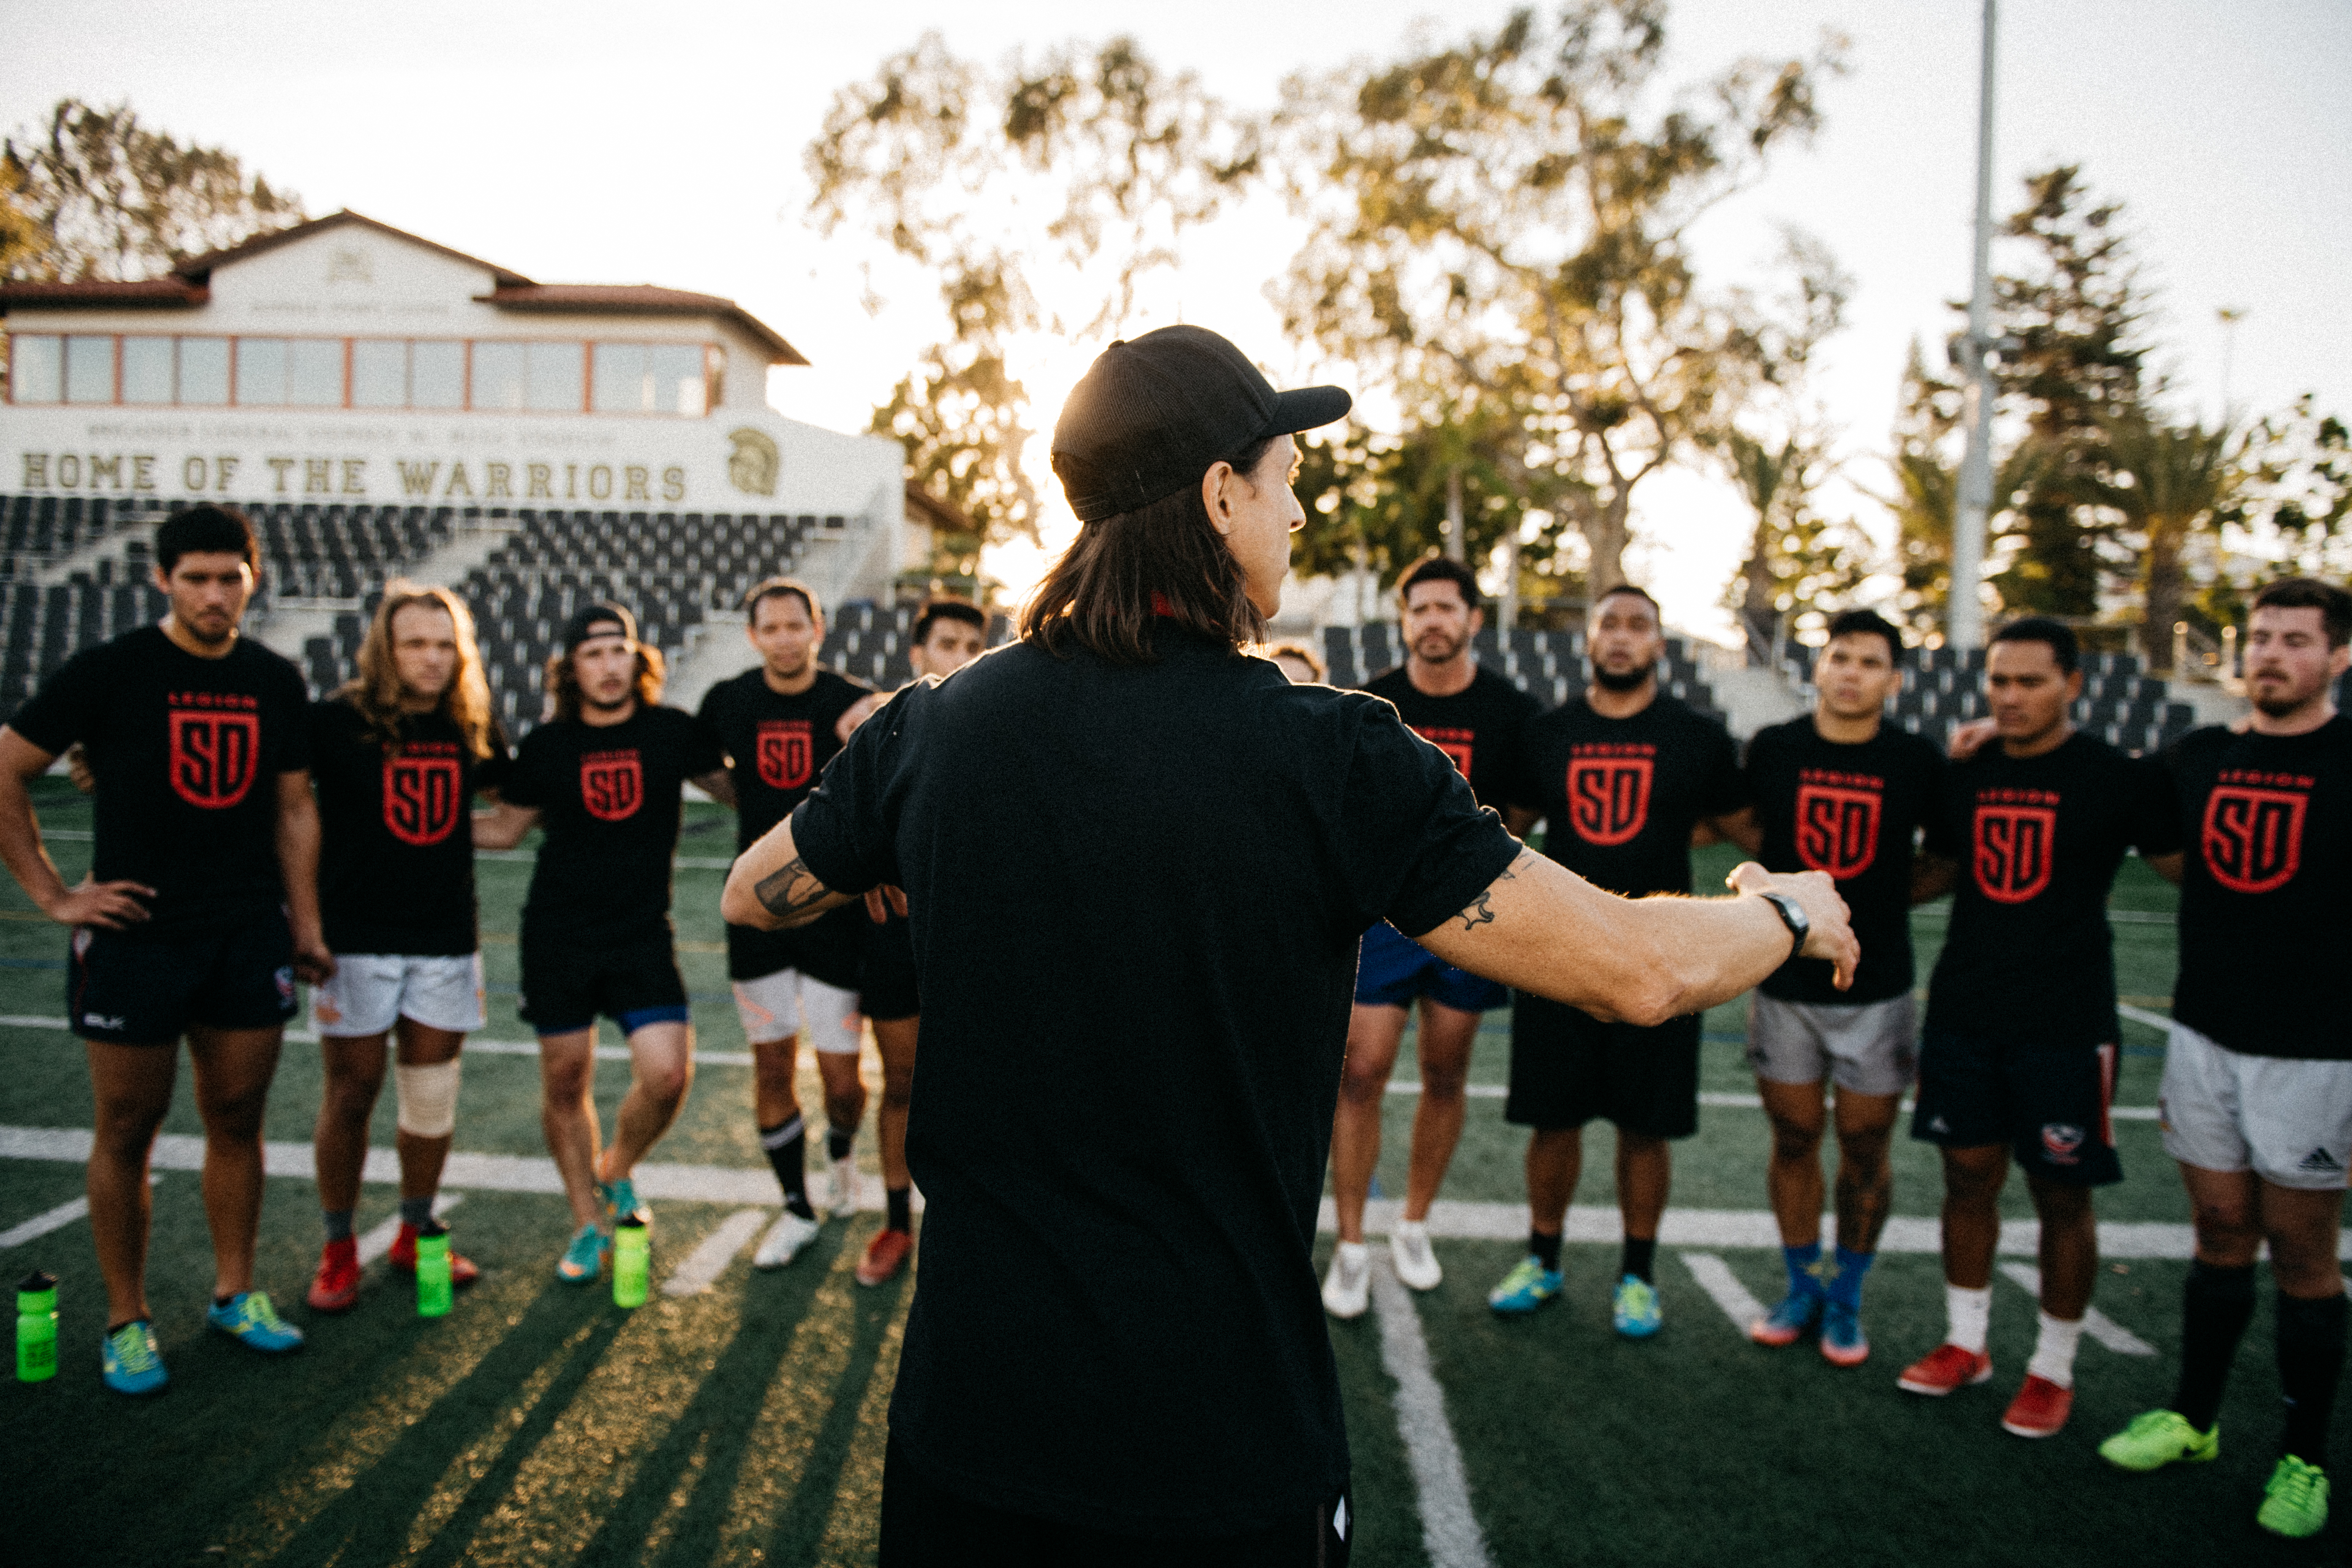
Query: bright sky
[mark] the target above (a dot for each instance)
(598, 142)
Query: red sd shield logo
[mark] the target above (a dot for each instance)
(214, 756)
(420, 797)
(1459, 745)
(1609, 797)
(612, 784)
(785, 752)
(2253, 837)
(2014, 844)
(1837, 829)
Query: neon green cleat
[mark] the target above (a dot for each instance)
(2294, 1503)
(2160, 1438)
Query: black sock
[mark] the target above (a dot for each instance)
(787, 1147)
(1546, 1249)
(902, 1207)
(338, 1223)
(1642, 1257)
(2215, 1307)
(837, 1143)
(2310, 1359)
(416, 1213)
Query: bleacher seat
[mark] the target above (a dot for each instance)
(1547, 666)
(1943, 688)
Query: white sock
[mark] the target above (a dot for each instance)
(1971, 1312)
(2054, 1352)
(1354, 1254)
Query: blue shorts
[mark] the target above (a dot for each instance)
(1394, 969)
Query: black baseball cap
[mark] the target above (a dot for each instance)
(1150, 417)
(597, 620)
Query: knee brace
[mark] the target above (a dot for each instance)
(428, 1098)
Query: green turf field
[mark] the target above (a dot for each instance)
(538, 1424)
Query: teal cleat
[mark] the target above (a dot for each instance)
(1786, 1322)
(1842, 1342)
(621, 1202)
(1635, 1312)
(584, 1258)
(129, 1362)
(249, 1318)
(1526, 1287)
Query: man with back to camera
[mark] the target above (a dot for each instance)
(1623, 776)
(398, 754)
(1842, 791)
(2018, 1055)
(605, 777)
(1156, 909)
(2257, 1097)
(781, 722)
(1474, 717)
(201, 907)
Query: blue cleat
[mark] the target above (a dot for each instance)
(584, 1258)
(1635, 1313)
(1842, 1342)
(1784, 1323)
(1526, 1287)
(249, 1318)
(129, 1362)
(621, 1201)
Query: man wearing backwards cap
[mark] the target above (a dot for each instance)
(1155, 910)
(603, 777)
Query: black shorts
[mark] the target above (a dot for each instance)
(2049, 1103)
(1568, 1067)
(145, 989)
(565, 984)
(827, 949)
(924, 1526)
(886, 979)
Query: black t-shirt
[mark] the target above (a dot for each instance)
(608, 802)
(1137, 948)
(2029, 956)
(1478, 727)
(776, 745)
(1851, 811)
(397, 858)
(1620, 797)
(2267, 823)
(187, 752)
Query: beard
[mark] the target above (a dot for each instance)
(1627, 681)
(1436, 647)
(2281, 700)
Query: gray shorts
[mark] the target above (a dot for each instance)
(1869, 1047)
(2288, 1121)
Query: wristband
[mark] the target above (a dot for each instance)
(1792, 915)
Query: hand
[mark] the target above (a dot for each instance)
(1831, 935)
(77, 769)
(1969, 739)
(881, 901)
(856, 713)
(110, 906)
(313, 964)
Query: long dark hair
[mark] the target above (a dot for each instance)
(563, 684)
(1164, 560)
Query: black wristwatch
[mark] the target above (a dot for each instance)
(1792, 915)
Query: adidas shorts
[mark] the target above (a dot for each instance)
(2051, 1104)
(371, 992)
(1868, 1047)
(788, 1002)
(2288, 1121)
(138, 988)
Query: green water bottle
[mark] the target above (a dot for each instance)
(432, 1270)
(36, 1329)
(631, 1262)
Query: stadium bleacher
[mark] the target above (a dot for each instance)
(869, 641)
(1547, 666)
(1943, 688)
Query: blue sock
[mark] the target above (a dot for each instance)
(1845, 1285)
(1801, 1262)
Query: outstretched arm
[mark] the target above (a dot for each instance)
(771, 887)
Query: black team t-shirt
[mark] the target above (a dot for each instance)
(1137, 945)
(396, 851)
(1848, 810)
(776, 747)
(187, 752)
(1478, 727)
(2029, 956)
(2264, 924)
(1620, 797)
(608, 802)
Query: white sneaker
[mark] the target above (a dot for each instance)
(1348, 1288)
(783, 1241)
(845, 1187)
(1416, 1265)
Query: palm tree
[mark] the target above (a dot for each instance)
(2168, 481)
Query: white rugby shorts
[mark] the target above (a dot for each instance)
(1867, 1047)
(788, 1002)
(2288, 1120)
(370, 990)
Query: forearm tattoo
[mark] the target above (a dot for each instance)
(1481, 912)
(791, 892)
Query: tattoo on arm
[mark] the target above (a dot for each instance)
(1481, 912)
(791, 892)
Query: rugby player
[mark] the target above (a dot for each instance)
(780, 722)
(2257, 1095)
(1137, 948)
(604, 776)
(1842, 791)
(201, 908)
(1623, 777)
(2017, 1056)
(1474, 717)
(397, 755)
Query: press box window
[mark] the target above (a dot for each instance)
(90, 370)
(37, 367)
(652, 378)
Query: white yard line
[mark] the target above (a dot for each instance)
(1724, 1289)
(2095, 1323)
(1449, 1530)
(2142, 1016)
(378, 1239)
(40, 1225)
(698, 1268)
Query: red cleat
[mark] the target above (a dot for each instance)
(884, 1255)
(1944, 1368)
(336, 1287)
(2039, 1408)
(403, 1257)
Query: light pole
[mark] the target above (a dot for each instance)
(1964, 611)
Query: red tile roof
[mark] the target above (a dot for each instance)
(148, 292)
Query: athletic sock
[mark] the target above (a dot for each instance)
(787, 1147)
(338, 1223)
(1845, 1285)
(1801, 1262)
(2054, 1351)
(1545, 1249)
(901, 1202)
(1642, 1257)
(416, 1213)
(2310, 1360)
(2216, 1305)
(837, 1143)
(1969, 1314)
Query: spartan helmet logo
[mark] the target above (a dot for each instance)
(751, 466)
